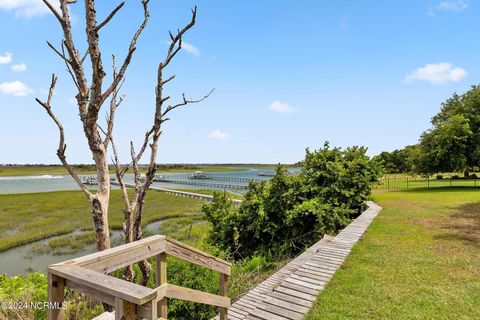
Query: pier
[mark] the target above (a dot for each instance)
(194, 176)
(165, 179)
(179, 193)
(196, 182)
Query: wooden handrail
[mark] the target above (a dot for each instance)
(177, 292)
(185, 252)
(98, 281)
(89, 275)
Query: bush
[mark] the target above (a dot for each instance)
(290, 212)
(26, 288)
(439, 177)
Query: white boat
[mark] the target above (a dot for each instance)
(198, 175)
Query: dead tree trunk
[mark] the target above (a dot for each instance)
(91, 96)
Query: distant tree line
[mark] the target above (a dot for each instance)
(452, 144)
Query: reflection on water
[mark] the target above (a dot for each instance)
(25, 258)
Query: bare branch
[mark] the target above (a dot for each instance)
(114, 104)
(110, 16)
(85, 55)
(61, 145)
(54, 11)
(145, 144)
(168, 80)
(62, 55)
(176, 40)
(69, 69)
(130, 52)
(185, 102)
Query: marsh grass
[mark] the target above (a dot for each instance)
(33, 216)
(190, 229)
(211, 192)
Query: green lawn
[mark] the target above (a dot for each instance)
(418, 260)
(32, 216)
(399, 183)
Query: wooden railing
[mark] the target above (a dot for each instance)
(90, 275)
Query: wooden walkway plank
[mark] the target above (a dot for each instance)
(291, 291)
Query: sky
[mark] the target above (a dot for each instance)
(288, 75)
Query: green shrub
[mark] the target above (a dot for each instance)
(27, 288)
(290, 212)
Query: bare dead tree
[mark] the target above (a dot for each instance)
(91, 95)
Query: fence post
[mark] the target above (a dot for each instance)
(223, 292)
(428, 182)
(407, 182)
(56, 295)
(161, 278)
(124, 310)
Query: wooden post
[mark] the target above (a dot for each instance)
(223, 292)
(124, 310)
(161, 278)
(56, 295)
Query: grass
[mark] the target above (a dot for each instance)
(37, 170)
(418, 260)
(65, 244)
(28, 217)
(210, 193)
(55, 210)
(414, 182)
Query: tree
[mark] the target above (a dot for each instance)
(397, 161)
(444, 148)
(453, 142)
(91, 96)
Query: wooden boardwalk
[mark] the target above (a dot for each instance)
(291, 291)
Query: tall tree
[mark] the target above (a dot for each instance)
(453, 142)
(91, 95)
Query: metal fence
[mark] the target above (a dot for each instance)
(399, 183)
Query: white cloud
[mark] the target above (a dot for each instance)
(15, 88)
(437, 73)
(21, 67)
(6, 58)
(281, 107)
(26, 8)
(190, 48)
(450, 6)
(218, 135)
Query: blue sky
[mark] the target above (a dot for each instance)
(287, 75)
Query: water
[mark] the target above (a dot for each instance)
(23, 259)
(45, 183)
